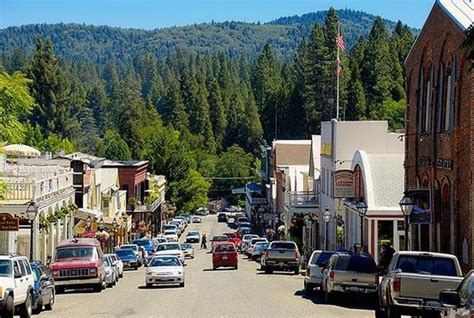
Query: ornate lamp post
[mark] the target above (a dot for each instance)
(31, 212)
(406, 205)
(361, 207)
(114, 228)
(327, 219)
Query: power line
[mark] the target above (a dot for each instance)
(228, 178)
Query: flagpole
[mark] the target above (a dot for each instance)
(337, 76)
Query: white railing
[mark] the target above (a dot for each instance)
(20, 188)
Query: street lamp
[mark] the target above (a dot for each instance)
(114, 228)
(101, 224)
(361, 207)
(327, 219)
(31, 212)
(406, 205)
(88, 223)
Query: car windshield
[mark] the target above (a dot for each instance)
(323, 257)
(428, 265)
(125, 252)
(284, 245)
(167, 247)
(230, 235)
(220, 238)
(169, 227)
(173, 232)
(356, 263)
(75, 252)
(224, 248)
(106, 261)
(192, 234)
(261, 246)
(255, 240)
(142, 242)
(185, 246)
(249, 237)
(165, 261)
(5, 268)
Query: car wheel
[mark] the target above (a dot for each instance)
(308, 288)
(392, 312)
(236, 267)
(214, 267)
(181, 284)
(297, 271)
(98, 287)
(136, 267)
(328, 297)
(379, 313)
(148, 285)
(268, 270)
(9, 309)
(26, 307)
(39, 306)
(50, 305)
(121, 275)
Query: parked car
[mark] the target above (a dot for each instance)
(221, 217)
(241, 219)
(218, 239)
(44, 292)
(202, 211)
(78, 263)
(128, 258)
(459, 302)
(259, 249)
(111, 272)
(246, 239)
(349, 273)
(173, 249)
(188, 250)
(171, 235)
(234, 238)
(224, 254)
(193, 237)
(17, 285)
(168, 227)
(244, 225)
(414, 279)
(146, 244)
(196, 219)
(281, 255)
(135, 248)
(165, 270)
(249, 250)
(117, 262)
(314, 271)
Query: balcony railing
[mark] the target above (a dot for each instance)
(23, 188)
(302, 199)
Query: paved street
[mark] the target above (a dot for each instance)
(246, 292)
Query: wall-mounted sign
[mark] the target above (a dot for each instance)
(8, 222)
(343, 184)
(326, 149)
(444, 164)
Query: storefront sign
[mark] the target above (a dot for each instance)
(326, 149)
(343, 184)
(444, 164)
(8, 222)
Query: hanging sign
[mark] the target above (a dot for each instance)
(8, 222)
(343, 184)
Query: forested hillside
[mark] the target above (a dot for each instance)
(100, 43)
(193, 116)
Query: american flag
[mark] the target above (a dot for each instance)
(340, 42)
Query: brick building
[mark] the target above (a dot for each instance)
(439, 160)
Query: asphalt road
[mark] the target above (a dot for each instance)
(246, 292)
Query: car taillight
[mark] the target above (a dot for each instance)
(397, 284)
(331, 275)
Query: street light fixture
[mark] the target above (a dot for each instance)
(406, 205)
(88, 223)
(361, 207)
(327, 219)
(31, 212)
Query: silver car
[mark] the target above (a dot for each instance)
(111, 272)
(188, 250)
(116, 261)
(165, 270)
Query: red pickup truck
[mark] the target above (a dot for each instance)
(234, 238)
(78, 263)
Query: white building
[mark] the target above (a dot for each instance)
(339, 142)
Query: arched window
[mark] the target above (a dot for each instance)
(429, 101)
(450, 97)
(441, 91)
(419, 108)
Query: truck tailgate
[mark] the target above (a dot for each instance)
(426, 286)
(355, 279)
(281, 254)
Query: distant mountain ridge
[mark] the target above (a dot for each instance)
(101, 43)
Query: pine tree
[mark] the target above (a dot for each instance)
(217, 113)
(97, 102)
(172, 108)
(251, 129)
(203, 120)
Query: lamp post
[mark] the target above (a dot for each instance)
(406, 205)
(327, 219)
(31, 212)
(114, 228)
(361, 207)
(88, 223)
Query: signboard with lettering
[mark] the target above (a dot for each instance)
(8, 222)
(343, 184)
(326, 150)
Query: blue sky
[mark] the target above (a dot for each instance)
(150, 14)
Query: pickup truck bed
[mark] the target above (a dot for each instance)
(282, 255)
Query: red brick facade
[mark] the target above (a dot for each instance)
(440, 136)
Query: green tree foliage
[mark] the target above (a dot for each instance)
(468, 44)
(115, 148)
(394, 113)
(55, 143)
(15, 102)
(217, 113)
(234, 163)
(191, 192)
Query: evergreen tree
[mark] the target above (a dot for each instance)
(97, 102)
(251, 129)
(172, 108)
(115, 148)
(217, 113)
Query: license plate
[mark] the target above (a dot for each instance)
(224, 257)
(281, 263)
(354, 289)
